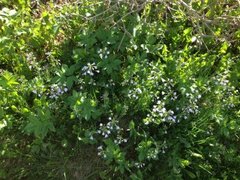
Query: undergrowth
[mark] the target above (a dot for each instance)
(119, 89)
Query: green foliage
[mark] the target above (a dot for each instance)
(83, 107)
(40, 123)
(144, 89)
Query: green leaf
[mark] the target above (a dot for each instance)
(184, 162)
(224, 48)
(102, 34)
(2, 112)
(187, 31)
(84, 107)
(143, 149)
(70, 81)
(197, 155)
(40, 124)
(133, 131)
(111, 65)
(9, 79)
(190, 174)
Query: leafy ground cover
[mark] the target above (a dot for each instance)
(119, 89)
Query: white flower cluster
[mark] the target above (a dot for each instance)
(110, 83)
(109, 128)
(119, 139)
(160, 114)
(134, 79)
(57, 90)
(100, 151)
(155, 75)
(134, 94)
(167, 89)
(153, 153)
(103, 53)
(193, 96)
(129, 82)
(31, 59)
(168, 85)
(173, 96)
(222, 79)
(38, 90)
(164, 147)
(191, 106)
(92, 82)
(90, 69)
(225, 90)
(139, 165)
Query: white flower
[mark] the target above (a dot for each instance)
(91, 138)
(146, 122)
(100, 148)
(139, 90)
(89, 69)
(164, 110)
(190, 110)
(59, 91)
(163, 80)
(106, 136)
(171, 112)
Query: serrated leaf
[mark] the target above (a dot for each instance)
(40, 124)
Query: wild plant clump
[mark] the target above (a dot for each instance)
(119, 89)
